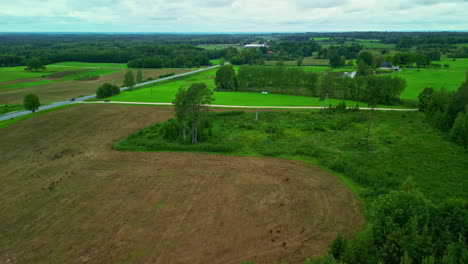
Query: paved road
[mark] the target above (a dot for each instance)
(81, 99)
(254, 107)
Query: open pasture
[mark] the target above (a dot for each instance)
(69, 198)
(449, 79)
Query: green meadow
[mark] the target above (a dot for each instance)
(23, 85)
(16, 73)
(88, 73)
(447, 78)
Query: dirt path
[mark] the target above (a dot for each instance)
(253, 107)
(67, 197)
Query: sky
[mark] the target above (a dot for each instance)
(231, 15)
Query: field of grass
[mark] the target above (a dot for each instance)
(165, 93)
(448, 78)
(16, 73)
(402, 145)
(7, 108)
(215, 62)
(83, 65)
(23, 85)
(308, 61)
(87, 74)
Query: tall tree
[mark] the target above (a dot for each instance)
(181, 110)
(31, 102)
(362, 69)
(299, 61)
(35, 64)
(373, 96)
(225, 78)
(191, 104)
(129, 80)
(424, 97)
(366, 57)
(139, 77)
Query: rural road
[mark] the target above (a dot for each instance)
(81, 99)
(253, 107)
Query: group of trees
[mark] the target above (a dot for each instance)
(406, 228)
(140, 50)
(447, 111)
(225, 79)
(107, 90)
(382, 89)
(190, 110)
(276, 79)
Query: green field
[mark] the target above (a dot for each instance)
(88, 73)
(23, 85)
(89, 65)
(165, 93)
(447, 78)
(215, 62)
(308, 61)
(16, 73)
(402, 145)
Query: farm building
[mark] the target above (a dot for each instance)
(255, 45)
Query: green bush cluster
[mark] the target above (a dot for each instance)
(107, 90)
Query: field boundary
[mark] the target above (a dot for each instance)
(248, 107)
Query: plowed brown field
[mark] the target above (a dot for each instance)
(67, 197)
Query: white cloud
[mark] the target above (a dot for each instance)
(231, 15)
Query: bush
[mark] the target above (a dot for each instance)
(107, 90)
(166, 75)
(309, 150)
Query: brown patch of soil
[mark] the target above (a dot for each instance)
(59, 75)
(67, 197)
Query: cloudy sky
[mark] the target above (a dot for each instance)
(231, 15)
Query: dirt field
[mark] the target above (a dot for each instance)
(68, 198)
(59, 91)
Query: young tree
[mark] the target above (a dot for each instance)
(139, 77)
(459, 131)
(280, 63)
(181, 110)
(373, 96)
(225, 78)
(129, 80)
(299, 61)
(362, 69)
(424, 97)
(35, 64)
(31, 102)
(191, 105)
